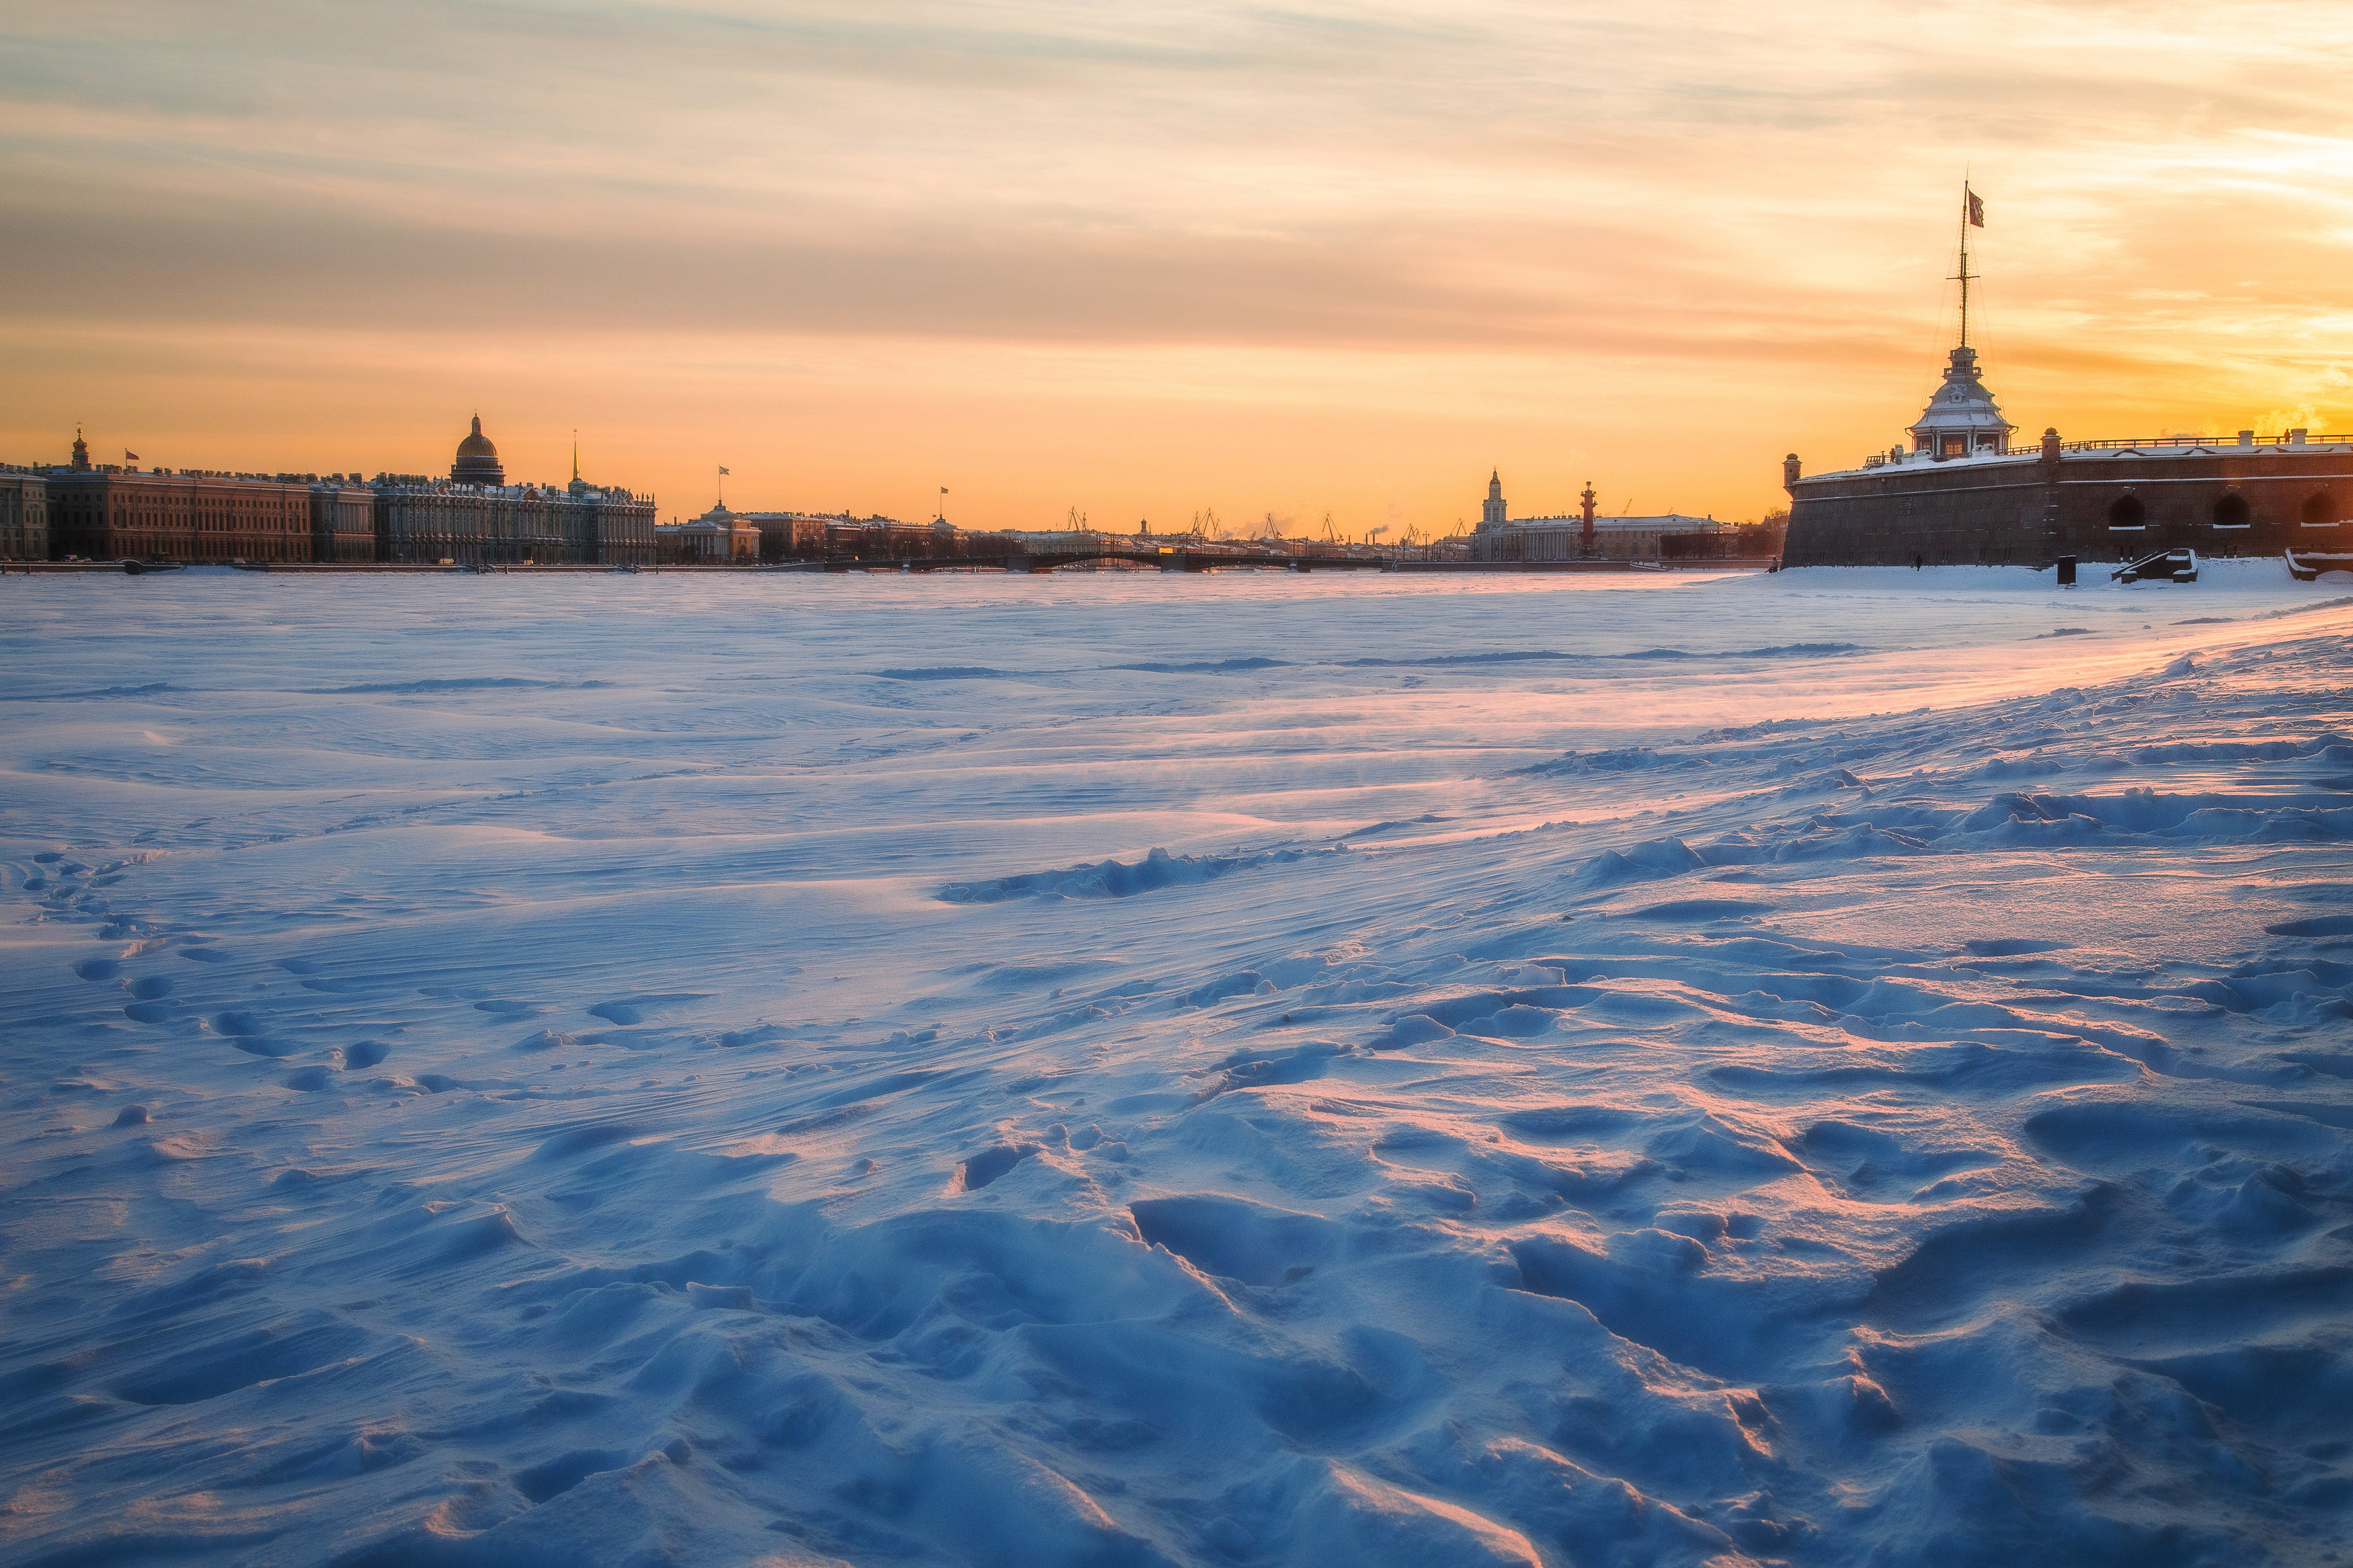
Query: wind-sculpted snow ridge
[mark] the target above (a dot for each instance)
(1724, 1140)
(1785, 651)
(151, 688)
(946, 672)
(1208, 667)
(1116, 879)
(474, 683)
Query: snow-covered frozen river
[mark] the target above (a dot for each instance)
(1834, 1067)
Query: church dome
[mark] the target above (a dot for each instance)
(478, 459)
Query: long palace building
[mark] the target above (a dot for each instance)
(1960, 493)
(111, 513)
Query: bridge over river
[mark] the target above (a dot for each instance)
(1042, 560)
(1167, 559)
(1177, 560)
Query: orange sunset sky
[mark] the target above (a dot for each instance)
(1143, 260)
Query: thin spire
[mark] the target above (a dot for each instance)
(576, 454)
(1969, 216)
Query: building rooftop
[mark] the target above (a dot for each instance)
(2245, 444)
(1962, 407)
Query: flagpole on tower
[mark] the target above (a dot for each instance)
(1972, 215)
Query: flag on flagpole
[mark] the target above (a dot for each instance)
(129, 455)
(722, 470)
(1976, 208)
(943, 489)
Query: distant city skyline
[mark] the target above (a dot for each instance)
(1146, 264)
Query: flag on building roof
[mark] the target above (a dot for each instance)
(129, 455)
(1976, 207)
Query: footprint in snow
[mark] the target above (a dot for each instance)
(627, 1010)
(248, 1033)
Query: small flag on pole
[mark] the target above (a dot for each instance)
(129, 455)
(943, 489)
(722, 470)
(1976, 208)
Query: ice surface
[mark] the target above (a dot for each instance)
(1132, 1069)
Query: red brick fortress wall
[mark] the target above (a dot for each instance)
(2103, 503)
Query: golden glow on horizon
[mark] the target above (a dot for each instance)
(1144, 263)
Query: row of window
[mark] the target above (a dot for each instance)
(123, 515)
(2231, 511)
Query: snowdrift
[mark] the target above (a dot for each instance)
(1885, 1101)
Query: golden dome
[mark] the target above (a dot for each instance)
(478, 460)
(477, 444)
